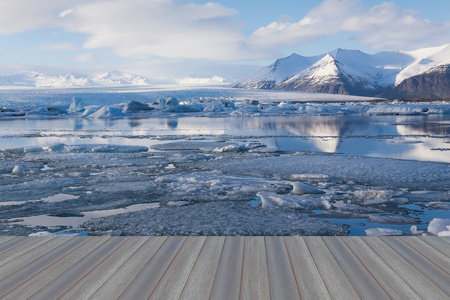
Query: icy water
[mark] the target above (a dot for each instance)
(425, 138)
(374, 172)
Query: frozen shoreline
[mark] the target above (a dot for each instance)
(153, 167)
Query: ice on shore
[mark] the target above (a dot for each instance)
(147, 104)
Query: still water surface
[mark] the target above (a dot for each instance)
(425, 138)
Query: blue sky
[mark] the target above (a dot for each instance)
(166, 40)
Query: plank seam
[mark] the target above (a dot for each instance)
(31, 248)
(414, 247)
(92, 270)
(406, 261)
(193, 265)
(242, 267)
(420, 254)
(292, 268)
(168, 267)
(318, 270)
(112, 274)
(217, 269)
(267, 264)
(368, 270)
(48, 266)
(431, 245)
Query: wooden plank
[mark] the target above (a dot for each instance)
(425, 266)
(228, 277)
(28, 256)
(144, 283)
(84, 288)
(281, 276)
(309, 282)
(332, 275)
(4, 239)
(16, 247)
(437, 243)
(51, 281)
(77, 271)
(357, 274)
(201, 279)
(171, 284)
(394, 286)
(114, 286)
(407, 272)
(439, 259)
(255, 275)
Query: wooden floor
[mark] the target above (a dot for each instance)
(224, 268)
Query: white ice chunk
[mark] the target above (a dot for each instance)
(370, 197)
(77, 105)
(300, 188)
(19, 169)
(271, 199)
(439, 227)
(414, 230)
(383, 231)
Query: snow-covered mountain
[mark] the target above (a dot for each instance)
(108, 78)
(279, 71)
(354, 72)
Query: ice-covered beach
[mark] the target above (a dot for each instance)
(219, 161)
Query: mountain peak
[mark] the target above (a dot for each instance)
(348, 71)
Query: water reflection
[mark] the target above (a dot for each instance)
(405, 137)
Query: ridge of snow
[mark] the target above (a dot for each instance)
(382, 69)
(281, 70)
(424, 60)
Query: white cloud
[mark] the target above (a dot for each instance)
(87, 57)
(59, 47)
(20, 15)
(149, 29)
(144, 29)
(383, 26)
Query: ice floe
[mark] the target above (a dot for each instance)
(439, 227)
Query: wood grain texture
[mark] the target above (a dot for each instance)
(438, 243)
(421, 263)
(87, 285)
(227, 281)
(439, 259)
(394, 286)
(309, 282)
(224, 268)
(417, 281)
(332, 275)
(57, 275)
(38, 256)
(171, 284)
(281, 276)
(363, 282)
(255, 274)
(116, 284)
(143, 284)
(201, 279)
(17, 247)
